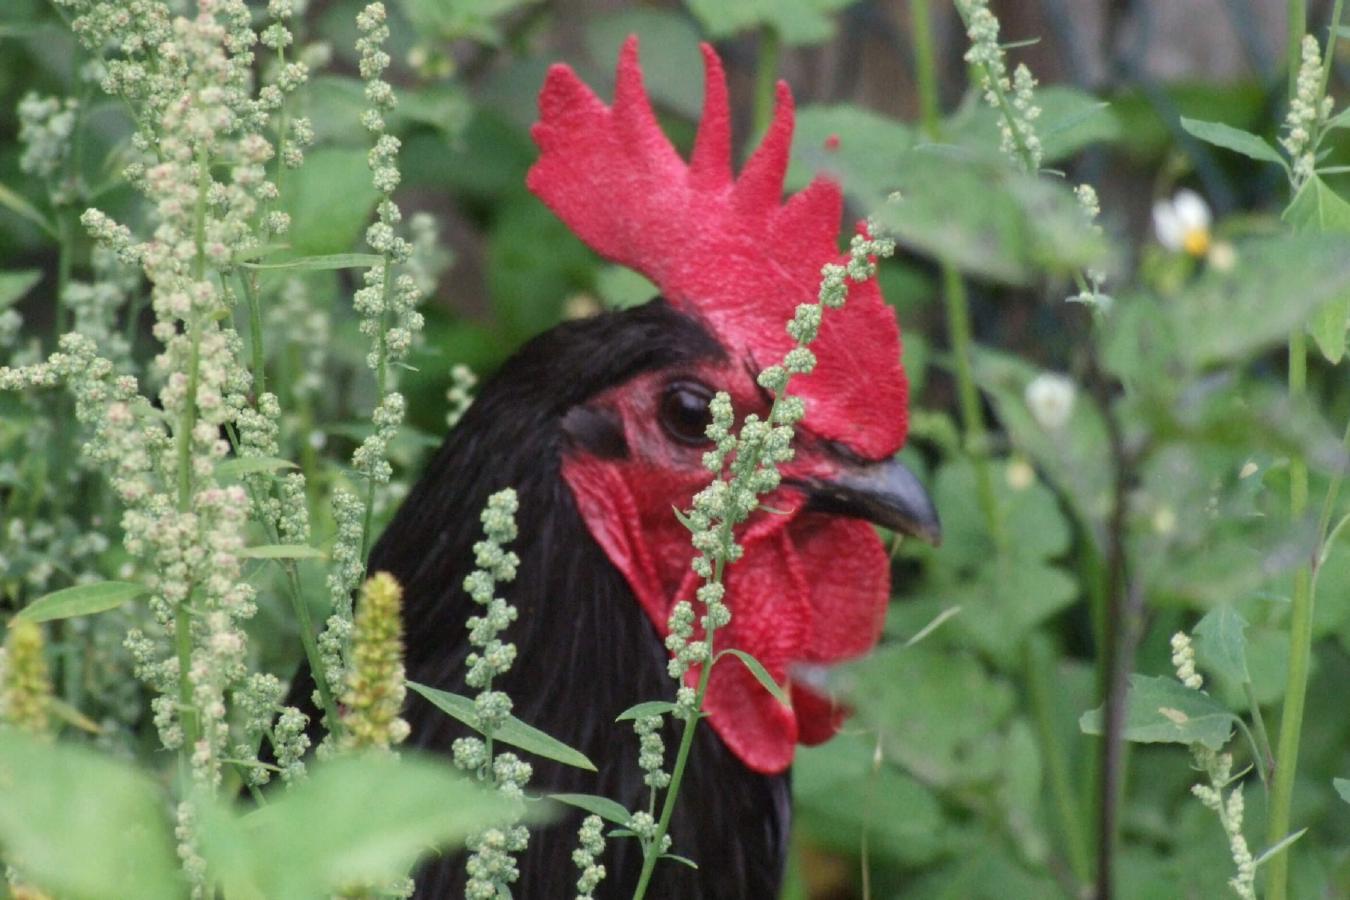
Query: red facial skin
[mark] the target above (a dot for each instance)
(811, 588)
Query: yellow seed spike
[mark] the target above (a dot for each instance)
(26, 690)
(375, 685)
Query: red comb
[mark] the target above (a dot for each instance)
(727, 249)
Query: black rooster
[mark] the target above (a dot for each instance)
(598, 425)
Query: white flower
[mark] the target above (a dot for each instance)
(1182, 223)
(1050, 398)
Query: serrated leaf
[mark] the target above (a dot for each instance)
(1227, 315)
(13, 285)
(603, 807)
(1317, 209)
(250, 465)
(323, 263)
(761, 674)
(513, 731)
(1161, 710)
(81, 600)
(644, 709)
(1221, 643)
(22, 208)
(1070, 120)
(1235, 139)
(282, 551)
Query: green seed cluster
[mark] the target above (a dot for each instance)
(491, 865)
(591, 841)
(746, 463)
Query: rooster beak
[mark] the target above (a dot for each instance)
(885, 493)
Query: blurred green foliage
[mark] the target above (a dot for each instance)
(964, 772)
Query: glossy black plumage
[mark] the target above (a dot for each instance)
(586, 649)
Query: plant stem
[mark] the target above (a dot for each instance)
(1301, 609)
(1004, 106)
(382, 381)
(303, 619)
(255, 333)
(676, 773)
(1267, 760)
(187, 710)
(726, 537)
(1300, 649)
(766, 77)
(1297, 19)
(187, 423)
(925, 66)
(968, 400)
(1038, 662)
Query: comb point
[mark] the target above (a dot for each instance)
(760, 185)
(710, 164)
(634, 120)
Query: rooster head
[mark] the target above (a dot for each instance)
(729, 253)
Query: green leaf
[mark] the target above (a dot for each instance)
(1221, 643)
(761, 674)
(1161, 710)
(513, 731)
(867, 146)
(13, 285)
(979, 214)
(476, 20)
(644, 709)
(282, 551)
(1226, 316)
(251, 465)
(1075, 459)
(81, 600)
(323, 263)
(78, 822)
(72, 716)
(1342, 786)
(1070, 120)
(330, 200)
(795, 21)
(1317, 209)
(1235, 139)
(683, 860)
(22, 208)
(839, 794)
(258, 252)
(620, 287)
(1278, 847)
(603, 807)
(355, 819)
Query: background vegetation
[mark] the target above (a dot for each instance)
(1186, 465)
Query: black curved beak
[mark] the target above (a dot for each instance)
(885, 493)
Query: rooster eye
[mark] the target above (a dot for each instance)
(684, 412)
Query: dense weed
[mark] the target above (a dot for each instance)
(1121, 675)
